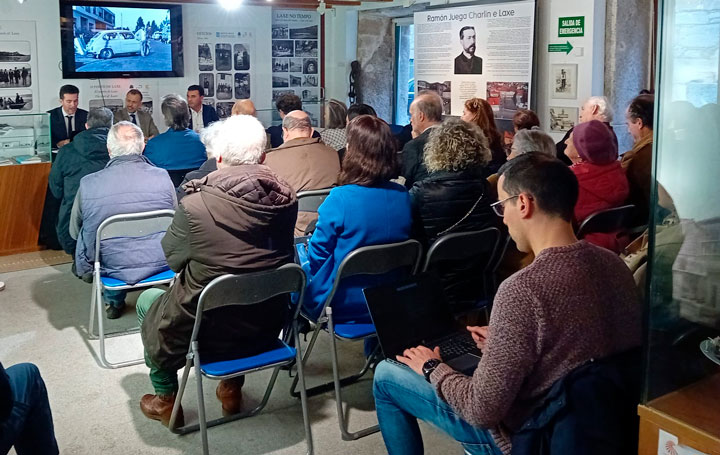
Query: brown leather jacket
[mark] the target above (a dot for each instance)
(237, 219)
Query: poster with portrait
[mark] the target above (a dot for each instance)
(483, 51)
(225, 62)
(296, 56)
(18, 67)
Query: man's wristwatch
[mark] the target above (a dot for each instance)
(429, 367)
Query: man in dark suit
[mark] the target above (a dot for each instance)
(425, 113)
(66, 120)
(133, 113)
(201, 115)
(467, 62)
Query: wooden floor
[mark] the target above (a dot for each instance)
(34, 260)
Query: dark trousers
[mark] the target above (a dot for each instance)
(29, 427)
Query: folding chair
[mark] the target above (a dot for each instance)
(130, 225)
(369, 260)
(309, 201)
(467, 256)
(247, 289)
(610, 220)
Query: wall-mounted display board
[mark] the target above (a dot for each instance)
(18, 67)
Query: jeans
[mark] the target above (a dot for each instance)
(165, 382)
(403, 396)
(29, 427)
(114, 298)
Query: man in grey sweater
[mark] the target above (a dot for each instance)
(574, 303)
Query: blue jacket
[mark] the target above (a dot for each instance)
(128, 184)
(351, 217)
(175, 150)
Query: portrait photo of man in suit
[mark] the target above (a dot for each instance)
(67, 120)
(467, 62)
(133, 113)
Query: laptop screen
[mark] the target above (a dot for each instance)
(409, 312)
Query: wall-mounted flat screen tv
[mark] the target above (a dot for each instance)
(120, 39)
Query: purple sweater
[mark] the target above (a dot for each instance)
(573, 303)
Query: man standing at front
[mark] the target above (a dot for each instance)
(201, 115)
(425, 113)
(66, 120)
(467, 62)
(133, 113)
(575, 302)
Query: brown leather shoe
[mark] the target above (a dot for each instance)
(229, 392)
(159, 407)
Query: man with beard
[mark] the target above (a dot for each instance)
(467, 62)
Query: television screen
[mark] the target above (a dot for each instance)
(106, 39)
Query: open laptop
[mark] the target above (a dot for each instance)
(414, 312)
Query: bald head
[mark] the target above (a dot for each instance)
(244, 107)
(296, 124)
(425, 111)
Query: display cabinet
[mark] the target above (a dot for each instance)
(24, 138)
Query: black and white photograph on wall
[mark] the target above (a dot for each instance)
(207, 82)
(205, 58)
(310, 66)
(310, 95)
(280, 65)
(224, 86)
(306, 48)
(310, 32)
(506, 98)
(278, 93)
(564, 81)
(209, 102)
(296, 65)
(279, 80)
(14, 51)
(242, 86)
(241, 56)
(223, 57)
(147, 105)
(279, 31)
(563, 119)
(443, 89)
(224, 110)
(282, 48)
(14, 100)
(310, 80)
(295, 80)
(114, 104)
(17, 75)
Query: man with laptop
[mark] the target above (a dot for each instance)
(574, 303)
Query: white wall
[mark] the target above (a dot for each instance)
(340, 50)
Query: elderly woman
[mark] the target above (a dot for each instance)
(593, 149)
(238, 219)
(365, 209)
(528, 140)
(179, 149)
(335, 121)
(479, 112)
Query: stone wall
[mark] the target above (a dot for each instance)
(375, 52)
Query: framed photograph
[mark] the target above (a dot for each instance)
(563, 119)
(205, 58)
(564, 81)
(207, 82)
(223, 57)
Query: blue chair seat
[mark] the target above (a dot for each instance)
(354, 331)
(113, 283)
(281, 353)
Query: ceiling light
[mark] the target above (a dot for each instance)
(230, 4)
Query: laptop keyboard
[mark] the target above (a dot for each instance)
(456, 345)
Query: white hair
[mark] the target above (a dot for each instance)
(605, 111)
(533, 140)
(241, 139)
(125, 138)
(208, 137)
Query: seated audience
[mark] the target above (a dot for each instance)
(540, 329)
(134, 113)
(479, 112)
(207, 137)
(355, 110)
(179, 149)
(25, 417)
(304, 162)
(453, 197)
(425, 113)
(284, 104)
(595, 108)
(638, 161)
(592, 148)
(335, 121)
(201, 114)
(238, 219)
(87, 153)
(366, 209)
(128, 184)
(524, 141)
(243, 107)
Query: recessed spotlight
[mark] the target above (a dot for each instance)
(230, 4)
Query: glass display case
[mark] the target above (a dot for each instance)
(680, 411)
(24, 138)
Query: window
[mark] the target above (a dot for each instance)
(404, 70)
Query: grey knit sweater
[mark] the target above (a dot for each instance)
(573, 303)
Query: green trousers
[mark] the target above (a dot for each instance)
(165, 382)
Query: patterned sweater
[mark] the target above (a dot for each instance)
(573, 303)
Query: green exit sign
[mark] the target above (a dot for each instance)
(571, 26)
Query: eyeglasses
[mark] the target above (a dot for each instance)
(499, 206)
